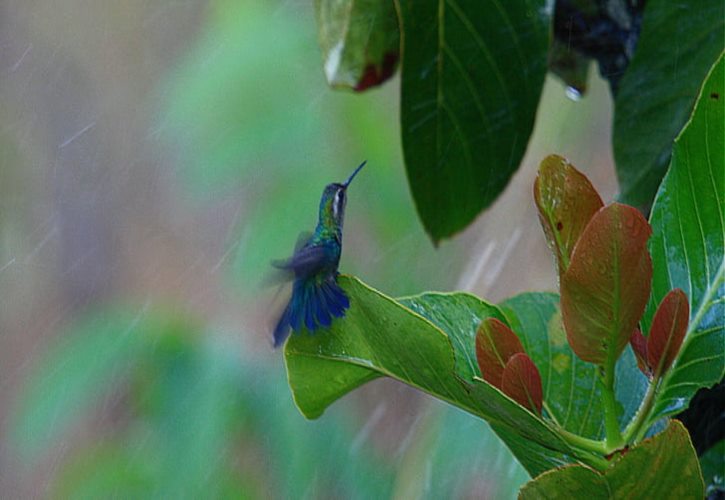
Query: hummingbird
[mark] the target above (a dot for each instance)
(316, 296)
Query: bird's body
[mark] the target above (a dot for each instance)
(316, 296)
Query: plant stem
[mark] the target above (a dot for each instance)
(611, 425)
(578, 441)
(632, 432)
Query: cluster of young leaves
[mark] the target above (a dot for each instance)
(459, 348)
(472, 74)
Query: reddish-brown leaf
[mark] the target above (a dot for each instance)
(606, 287)
(566, 201)
(495, 344)
(522, 383)
(639, 346)
(668, 330)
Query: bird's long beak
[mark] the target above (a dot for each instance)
(349, 179)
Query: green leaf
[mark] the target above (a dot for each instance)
(687, 247)
(359, 40)
(572, 394)
(472, 75)
(605, 289)
(566, 202)
(664, 466)
(678, 45)
(379, 336)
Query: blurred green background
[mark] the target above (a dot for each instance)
(155, 156)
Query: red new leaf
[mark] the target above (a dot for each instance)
(566, 201)
(668, 330)
(495, 344)
(639, 346)
(522, 383)
(606, 287)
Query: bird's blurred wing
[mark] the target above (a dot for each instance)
(305, 261)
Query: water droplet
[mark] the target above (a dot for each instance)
(573, 94)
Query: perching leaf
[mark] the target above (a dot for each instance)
(566, 201)
(496, 343)
(687, 247)
(472, 75)
(668, 329)
(664, 466)
(522, 382)
(678, 45)
(605, 289)
(381, 337)
(359, 40)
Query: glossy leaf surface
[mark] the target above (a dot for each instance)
(678, 44)
(359, 40)
(566, 201)
(496, 343)
(521, 381)
(668, 330)
(687, 247)
(605, 289)
(381, 337)
(664, 466)
(472, 75)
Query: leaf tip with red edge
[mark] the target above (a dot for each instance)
(495, 344)
(668, 330)
(521, 381)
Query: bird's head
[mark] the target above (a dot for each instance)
(334, 198)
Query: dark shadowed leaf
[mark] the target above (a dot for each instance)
(359, 40)
(664, 466)
(639, 347)
(605, 289)
(472, 74)
(677, 46)
(566, 201)
(522, 382)
(495, 344)
(687, 247)
(668, 330)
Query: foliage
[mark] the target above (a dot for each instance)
(459, 348)
(472, 74)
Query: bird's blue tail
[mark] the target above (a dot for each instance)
(313, 304)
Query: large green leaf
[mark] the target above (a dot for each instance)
(472, 76)
(687, 247)
(677, 46)
(571, 392)
(664, 466)
(379, 336)
(359, 40)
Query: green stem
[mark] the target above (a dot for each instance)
(635, 428)
(583, 443)
(611, 425)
